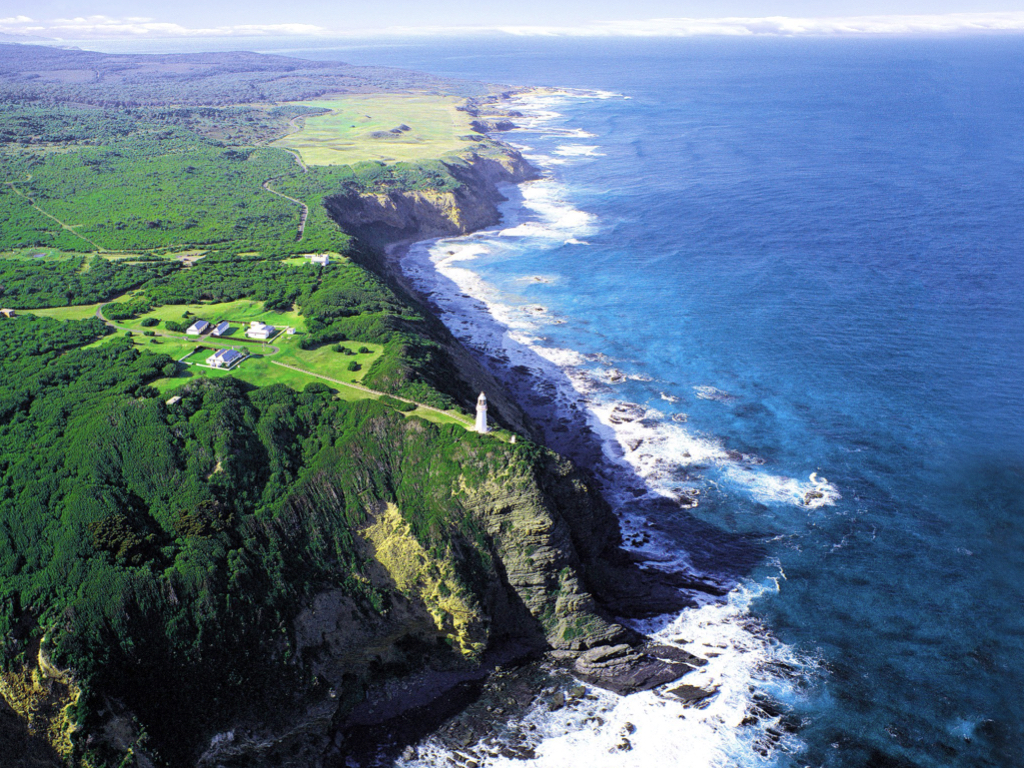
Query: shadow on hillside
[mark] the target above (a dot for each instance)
(21, 749)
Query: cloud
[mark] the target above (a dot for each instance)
(85, 27)
(784, 26)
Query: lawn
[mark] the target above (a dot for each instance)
(80, 312)
(326, 361)
(259, 369)
(241, 311)
(299, 261)
(38, 254)
(66, 313)
(351, 133)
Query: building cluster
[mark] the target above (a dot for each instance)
(257, 330)
(320, 258)
(230, 357)
(260, 331)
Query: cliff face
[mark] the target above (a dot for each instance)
(503, 558)
(381, 218)
(384, 221)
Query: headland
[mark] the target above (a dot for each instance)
(248, 560)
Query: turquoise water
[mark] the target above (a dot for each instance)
(811, 254)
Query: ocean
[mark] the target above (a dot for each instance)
(782, 279)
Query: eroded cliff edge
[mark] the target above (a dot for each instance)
(386, 217)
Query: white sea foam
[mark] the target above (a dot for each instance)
(658, 728)
(658, 450)
(577, 150)
(766, 488)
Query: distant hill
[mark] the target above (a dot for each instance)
(48, 75)
(9, 38)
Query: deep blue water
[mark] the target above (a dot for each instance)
(831, 232)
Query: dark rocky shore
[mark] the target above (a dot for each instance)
(464, 709)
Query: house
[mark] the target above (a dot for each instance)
(222, 327)
(7, 313)
(224, 358)
(174, 400)
(259, 331)
(320, 258)
(197, 328)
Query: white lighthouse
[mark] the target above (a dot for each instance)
(481, 415)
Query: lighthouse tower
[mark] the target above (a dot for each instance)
(481, 415)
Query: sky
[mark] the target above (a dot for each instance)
(84, 19)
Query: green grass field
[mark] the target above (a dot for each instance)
(326, 361)
(81, 312)
(259, 370)
(65, 313)
(38, 254)
(344, 136)
(240, 311)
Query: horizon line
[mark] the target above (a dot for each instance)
(108, 28)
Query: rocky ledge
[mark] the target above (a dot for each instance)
(624, 669)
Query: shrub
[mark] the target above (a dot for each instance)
(149, 322)
(353, 365)
(398, 405)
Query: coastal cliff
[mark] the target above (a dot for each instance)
(381, 218)
(230, 576)
(386, 221)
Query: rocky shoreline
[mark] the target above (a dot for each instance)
(402, 712)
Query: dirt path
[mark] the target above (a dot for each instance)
(465, 421)
(69, 227)
(305, 209)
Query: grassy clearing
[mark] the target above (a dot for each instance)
(346, 135)
(38, 254)
(256, 370)
(327, 362)
(442, 417)
(80, 312)
(241, 311)
(259, 370)
(65, 313)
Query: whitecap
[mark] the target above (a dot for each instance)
(658, 451)
(577, 150)
(728, 728)
(767, 488)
